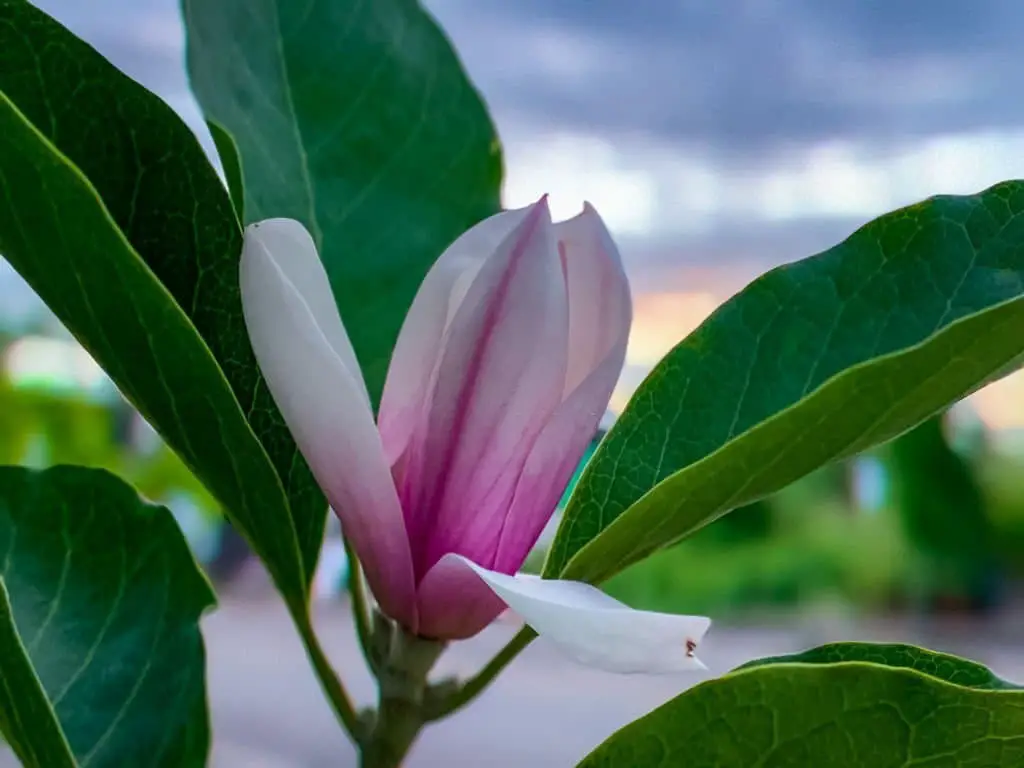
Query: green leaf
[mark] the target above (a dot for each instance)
(27, 719)
(57, 234)
(944, 666)
(106, 598)
(161, 192)
(228, 152)
(812, 362)
(357, 119)
(844, 715)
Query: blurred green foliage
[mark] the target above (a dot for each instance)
(942, 508)
(40, 428)
(817, 551)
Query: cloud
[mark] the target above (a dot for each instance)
(746, 77)
(719, 134)
(686, 121)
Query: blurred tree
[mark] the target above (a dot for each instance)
(942, 509)
(749, 522)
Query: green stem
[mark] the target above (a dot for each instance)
(360, 605)
(441, 705)
(330, 683)
(397, 724)
(402, 678)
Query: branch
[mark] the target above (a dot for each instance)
(360, 605)
(330, 683)
(442, 701)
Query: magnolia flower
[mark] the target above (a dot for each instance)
(500, 375)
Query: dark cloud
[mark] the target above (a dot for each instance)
(733, 80)
(749, 75)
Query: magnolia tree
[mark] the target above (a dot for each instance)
(354, 323)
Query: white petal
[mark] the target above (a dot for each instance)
(330, 419)
(598, 630)
(292, 249)
(419, 345)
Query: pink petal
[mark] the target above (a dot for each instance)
(453, 603)
(501, 375)
(418, 349)
(600, 312)
(325, 406)
(600, 307)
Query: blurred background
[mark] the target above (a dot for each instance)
(718, 140)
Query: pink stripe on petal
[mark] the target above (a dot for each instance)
(600, 312)
(419, 346)
(330, 419)
(551, 463)
(500, 377)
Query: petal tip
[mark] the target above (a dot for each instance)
(293, 229)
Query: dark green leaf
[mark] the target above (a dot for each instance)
(106, 599)
(57, 234)
(27, 720)
(846, 715)
(812, 362)
(228, 153)
(952, 669)
(160, 190)
(357, 119)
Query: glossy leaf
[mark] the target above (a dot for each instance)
(159, 190)
(57, 234)
(105, 597)
(357, 119)
(27, 720)
(944, 666)
(842, 715)
(812, 362)
(227, 150)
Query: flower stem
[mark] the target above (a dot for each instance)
(360, 604)
(402, 678)
(330, 683)
(442, 704)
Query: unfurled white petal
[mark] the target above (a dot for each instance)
(327, 412)
(292, 249)
(598, 630)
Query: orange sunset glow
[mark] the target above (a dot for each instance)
(661, 319)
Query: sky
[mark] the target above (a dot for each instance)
(717, 139)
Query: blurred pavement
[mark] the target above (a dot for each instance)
(544, 711)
